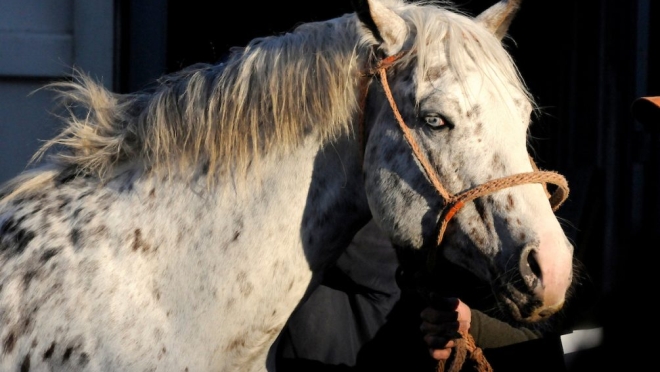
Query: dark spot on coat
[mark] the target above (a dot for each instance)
(162, 352)
(236, 235)
(478, 239)
(8, 227)
(48, 353)
(205, 168)
(27, 277)
(244, 284)
(23, 238)
(74, 236)
(408, 196)
(48, 254)
(237, 342)
(497, 162)
(63, 204)
(152, 193)
(509, 202)
(474, 112)
(9, 343)
(138, 242)
(67, 354)
(85, 194)
(478, 129)
(25, 366)
(83, 360)
(436, 72)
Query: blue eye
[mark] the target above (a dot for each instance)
(435, 121)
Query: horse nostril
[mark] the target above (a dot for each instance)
(534, 263)
(530, 269)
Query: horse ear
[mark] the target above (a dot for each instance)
(385, 25)
(498, 17)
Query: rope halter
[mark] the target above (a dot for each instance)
(453, 203)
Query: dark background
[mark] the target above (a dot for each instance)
(584, 61)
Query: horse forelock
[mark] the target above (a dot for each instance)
(267, 96)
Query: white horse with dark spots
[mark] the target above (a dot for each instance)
(177, 228)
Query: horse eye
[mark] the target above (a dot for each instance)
(435, 121)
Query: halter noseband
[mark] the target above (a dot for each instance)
(454, 203)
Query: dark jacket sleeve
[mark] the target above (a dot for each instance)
(490, 332)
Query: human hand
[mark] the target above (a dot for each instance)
(441, 323)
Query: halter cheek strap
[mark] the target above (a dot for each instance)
(454, 203)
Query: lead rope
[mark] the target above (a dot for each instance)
(465, 346)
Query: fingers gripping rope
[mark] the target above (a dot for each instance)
(465, 347)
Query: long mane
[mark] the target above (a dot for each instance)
(264, 97)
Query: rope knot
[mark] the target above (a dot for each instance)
(465, 348)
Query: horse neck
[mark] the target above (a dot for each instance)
(336, 206)
(312, 196)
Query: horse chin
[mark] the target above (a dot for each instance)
(526, 309)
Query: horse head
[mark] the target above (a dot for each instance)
(446, 162)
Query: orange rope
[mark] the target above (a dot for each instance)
(543, 177)
(430, 174)
(465, 347)
(454, 203)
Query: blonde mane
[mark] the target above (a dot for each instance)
(264, 97)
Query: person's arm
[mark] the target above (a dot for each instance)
(490, 332)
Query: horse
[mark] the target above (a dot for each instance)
(177, 228)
